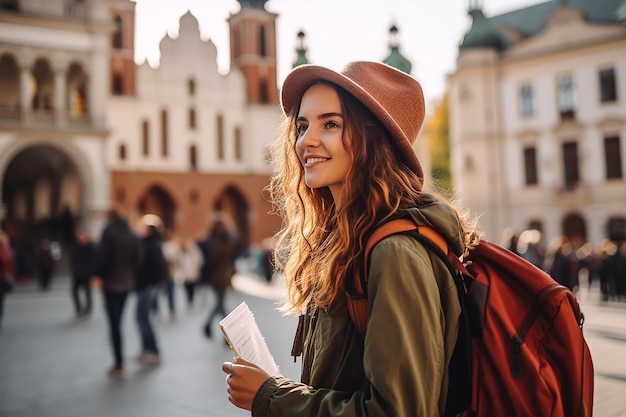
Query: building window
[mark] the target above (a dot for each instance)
(11, 5)
(530, 166)
(220, 137)
(145, 138)
(570, 164)
(613, 157)
(117, 35)
(122, 152)
(164, 138)
(191, 87)
(263, 92)
(262, 42)
(566, 97)
(118, 85)
(193, 157)
(238, 154)
(535, 225)
(192, 118)
(608, 90)
(526, 103)
(468, 164)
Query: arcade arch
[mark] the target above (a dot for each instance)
(42, 196)
(575, 229)
(156, 200)
(233, 202)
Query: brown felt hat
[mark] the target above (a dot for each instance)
(394, 97)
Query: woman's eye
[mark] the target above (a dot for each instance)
(300, 129)
(332, 124)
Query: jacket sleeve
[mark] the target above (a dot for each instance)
(403, 348)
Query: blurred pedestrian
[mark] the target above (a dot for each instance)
(171, 250)
(45, 264)
(608, 268)
(152, 271)
(562, 264)
(118, 257)
(7, 265)
(83, 259)
(220, 263)
(190, 261)
(267, 258)
(530, 248)
(513, 242)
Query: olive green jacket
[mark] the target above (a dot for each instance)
(400, 369)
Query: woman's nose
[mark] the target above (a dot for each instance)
(309, 138)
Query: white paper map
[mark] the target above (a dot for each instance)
(242, 332)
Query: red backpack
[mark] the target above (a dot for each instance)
(524, 353)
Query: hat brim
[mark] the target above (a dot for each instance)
(302, 77)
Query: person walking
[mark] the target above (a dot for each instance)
(343, 166)
(82, 260)
(45, 264)
(152, 272)
(190, 261)
(221, 253)
(118, 257)
(7, 266)
(171, 250)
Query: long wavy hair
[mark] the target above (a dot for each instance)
(319, 244)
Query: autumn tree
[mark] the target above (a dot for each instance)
(439, 144)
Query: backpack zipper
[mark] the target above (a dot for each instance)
(518, 338)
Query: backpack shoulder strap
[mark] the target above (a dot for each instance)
(357, 303)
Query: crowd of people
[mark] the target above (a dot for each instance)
(567, 260)
(140, 258)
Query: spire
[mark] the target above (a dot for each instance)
(300, 51)
(482, 33)
(395, 58)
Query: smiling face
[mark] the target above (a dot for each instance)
(320, 148)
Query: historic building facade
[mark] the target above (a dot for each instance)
(190, 143)
(538, 120)
(54, 74)
(83, 129)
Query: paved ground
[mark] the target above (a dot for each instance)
(52, 365)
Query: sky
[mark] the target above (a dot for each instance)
(336, 31)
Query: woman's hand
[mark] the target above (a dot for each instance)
(244, 380)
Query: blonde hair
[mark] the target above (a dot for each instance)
(319, 245)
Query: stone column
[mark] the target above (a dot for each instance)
(25, 91)
(60, 96)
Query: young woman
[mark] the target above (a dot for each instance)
(344, 166)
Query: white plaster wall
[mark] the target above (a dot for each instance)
(166, 87)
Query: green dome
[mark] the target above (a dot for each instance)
(255, 4)
(395, 58)
(482, 33)
(301, 58)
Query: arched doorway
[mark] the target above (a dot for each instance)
(616, 229)
(157, 201)
(575, 229)
(43, 199)
(232, 201)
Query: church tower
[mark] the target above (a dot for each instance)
(253, 50)
(122, 48)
